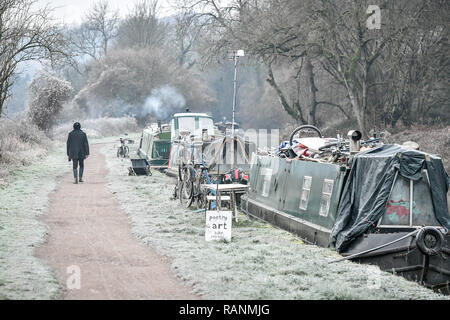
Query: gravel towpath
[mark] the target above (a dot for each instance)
(90, 244)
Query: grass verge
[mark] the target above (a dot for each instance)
(22, 276)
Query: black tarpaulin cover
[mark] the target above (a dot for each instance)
(369, 183)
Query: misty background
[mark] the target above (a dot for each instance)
(148, 59)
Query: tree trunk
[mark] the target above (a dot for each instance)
(313, 89)
(294, 111)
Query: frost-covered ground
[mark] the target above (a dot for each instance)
(23, 276)
(22, 199)
(261, 262)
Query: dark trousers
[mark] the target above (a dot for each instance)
(77, 162)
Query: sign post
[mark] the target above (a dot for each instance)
(218, 226)
(238, 53)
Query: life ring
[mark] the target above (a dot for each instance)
(433, 232)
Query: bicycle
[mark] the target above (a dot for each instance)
(192, 173)
(123, 150)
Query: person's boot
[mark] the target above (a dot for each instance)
(81, 175)
(75, 175)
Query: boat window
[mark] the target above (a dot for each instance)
(173, 129)
(267, 174)
(306, 189)
(161, 150)
(327, 190)
(144, 141)
(423, 211)
(397, 210)
(400, 205)
(174, 155)
(186, 123)
(206, 123)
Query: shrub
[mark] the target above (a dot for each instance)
(21, 143)
(46, 95)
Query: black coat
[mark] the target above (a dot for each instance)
(77, 145)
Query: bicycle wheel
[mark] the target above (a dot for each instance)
(202, 200)
(186, 193)
(176, 189)
(305, 131)
(202, 194)
(180, 173)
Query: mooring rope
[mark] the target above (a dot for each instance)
(376, 248)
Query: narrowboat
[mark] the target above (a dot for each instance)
(386, 205)
(210, 146)
(154, 145)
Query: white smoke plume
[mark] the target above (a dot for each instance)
(162, 102)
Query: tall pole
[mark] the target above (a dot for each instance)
(234, 110)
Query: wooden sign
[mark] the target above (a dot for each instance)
(218, 225)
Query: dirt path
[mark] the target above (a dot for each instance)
(89, 230)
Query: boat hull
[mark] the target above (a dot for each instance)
(405, 259)
(402, 258)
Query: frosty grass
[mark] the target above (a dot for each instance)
(22, 276)
(261, 262)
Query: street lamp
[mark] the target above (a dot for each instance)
(237, 53)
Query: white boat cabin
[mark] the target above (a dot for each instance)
(194, 123)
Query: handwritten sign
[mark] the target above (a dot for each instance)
(218, 225)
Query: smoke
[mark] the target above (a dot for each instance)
(162, 102)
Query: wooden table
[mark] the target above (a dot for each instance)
(231, 188)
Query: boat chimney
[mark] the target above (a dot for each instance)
(355, 143)
(159, 125)
(205, 134)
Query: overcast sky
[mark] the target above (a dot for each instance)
(72, 11)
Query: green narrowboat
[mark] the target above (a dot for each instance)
(385, 206)
(155, 146)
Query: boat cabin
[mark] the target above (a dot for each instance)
(191, 124)
(155, 145)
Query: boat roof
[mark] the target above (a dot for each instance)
(191, 114)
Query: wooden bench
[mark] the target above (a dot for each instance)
(225, 192)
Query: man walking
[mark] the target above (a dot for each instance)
(77, 150)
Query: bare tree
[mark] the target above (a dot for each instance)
(187, 28)
(84, 41)
(142, 28)
(102, 20)
(26, 34)
(276, 33)
(415, 82)
(390, 70)
(98, 29)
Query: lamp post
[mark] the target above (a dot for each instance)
(237, 53)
